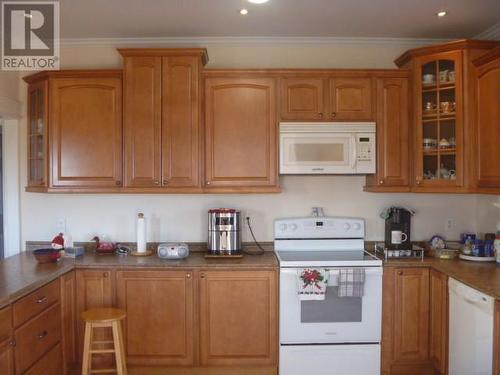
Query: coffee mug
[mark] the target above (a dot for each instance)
(398, 237)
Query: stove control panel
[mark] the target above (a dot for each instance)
(319, 227)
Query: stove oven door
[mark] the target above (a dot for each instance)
(336, 319)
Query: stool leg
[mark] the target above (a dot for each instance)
(87, 343)
(121, 367)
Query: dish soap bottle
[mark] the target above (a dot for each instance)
(496, 245)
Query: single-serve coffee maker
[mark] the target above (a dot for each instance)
(398, 228)
(224, 231)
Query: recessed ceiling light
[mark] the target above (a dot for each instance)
(441, 13)
(258, 1)
(243, 12)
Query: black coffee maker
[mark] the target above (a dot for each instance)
(398, 228)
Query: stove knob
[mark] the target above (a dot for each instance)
(282, 227)
(347, 226)
(293, 227)
(356, 226)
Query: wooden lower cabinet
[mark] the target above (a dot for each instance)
(405, 326)
(7, 357)
(438, 343)
(68, 315)
(238, 318)
(158, 329)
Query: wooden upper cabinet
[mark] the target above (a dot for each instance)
(488, 122)
(438, 343)
(241, 133)
(162, 117)
(227, 297)
(158, 329)
(393, 152)
(181, 121)
(86, 131)
(142, 121)
(350, 99)
(303, 98)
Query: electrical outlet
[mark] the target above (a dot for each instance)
(449, 224)
(61, 225)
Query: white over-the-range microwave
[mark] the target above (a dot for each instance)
(327, 148)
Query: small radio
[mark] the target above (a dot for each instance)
(173, 250)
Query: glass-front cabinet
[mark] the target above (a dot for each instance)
(439, 123)
(37, 134)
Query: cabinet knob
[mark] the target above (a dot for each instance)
(165, 182)
(12, 343)
(320, 115)
(157, 182)
(400, 273)
(105, 274)
(208, 182)
(334, 114)
(42, 335)
(202, 275)
(381, 182)
(41, 300)
(418, 181)
(188, 275)
(118, 183)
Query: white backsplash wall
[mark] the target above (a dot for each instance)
(184, 217)
(488, 213)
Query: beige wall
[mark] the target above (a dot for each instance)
(10, 107)
(183, 217)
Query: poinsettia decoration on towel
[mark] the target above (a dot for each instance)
(312, 283)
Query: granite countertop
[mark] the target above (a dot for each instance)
(21, 274)
(482, 276)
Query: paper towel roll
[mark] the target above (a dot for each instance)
(141, 233)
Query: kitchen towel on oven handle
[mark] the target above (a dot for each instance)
(312, 283)
(351, 282)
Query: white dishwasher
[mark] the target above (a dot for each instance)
(471, 330)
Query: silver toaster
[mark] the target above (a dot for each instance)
(173, 250)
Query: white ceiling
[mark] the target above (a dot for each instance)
(278, 18)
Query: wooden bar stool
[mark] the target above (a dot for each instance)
(104, 318)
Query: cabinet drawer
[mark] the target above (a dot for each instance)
(36, 337)
(49, 364)
(5, 323)
(34, 303)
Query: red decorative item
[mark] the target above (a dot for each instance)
(104, 247)
(311, 277)
(58, 242)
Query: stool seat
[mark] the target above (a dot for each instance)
(103, 315)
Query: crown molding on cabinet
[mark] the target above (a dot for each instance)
(115, 42)
(492, 33)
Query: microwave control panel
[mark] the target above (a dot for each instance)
(365, 151)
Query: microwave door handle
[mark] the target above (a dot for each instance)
(354, 154)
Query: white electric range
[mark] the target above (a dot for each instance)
(341, 333)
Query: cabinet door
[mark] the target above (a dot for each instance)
(238, 318)
(411, 316)
(86, 132)
(392, 133)
(7, 357)
(158, 329)
(303, 99)
(95, 289)
(350, 99)
(438, 344)
(439, 109)
(142, 121)
(37, 134)
(241, 127)
(488, 120)
(68, 313)
(181, 121)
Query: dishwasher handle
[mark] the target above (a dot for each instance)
(470, 295)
